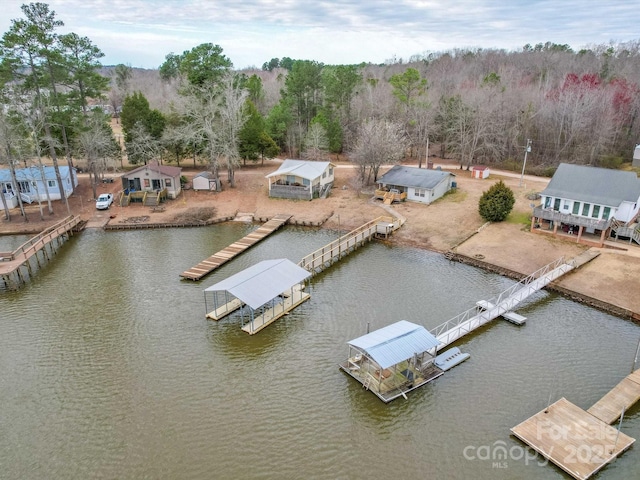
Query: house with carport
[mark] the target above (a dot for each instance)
(301, 179)
(414, 184)
(590, 203)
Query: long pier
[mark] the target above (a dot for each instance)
(486, 311)
(15, 267)
(208, 265)
(326, 256)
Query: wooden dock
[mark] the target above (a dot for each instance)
(573, 439)
(214, 261)
(621, 397)
(15, 267)
(326, 256)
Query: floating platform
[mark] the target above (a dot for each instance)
(573, 439)
(449, 359)
(512, 317)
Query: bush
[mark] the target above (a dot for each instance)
(496, 203)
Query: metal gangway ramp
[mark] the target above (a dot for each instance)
(475, 317)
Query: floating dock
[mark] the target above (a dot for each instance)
(208, 265)
(573, 439)
(619, 399)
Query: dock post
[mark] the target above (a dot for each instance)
(635, 359)
(617, 434)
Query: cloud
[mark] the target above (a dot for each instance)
(142, 32)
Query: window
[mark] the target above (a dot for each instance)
(606, 211)
(585, 209)
(146, 183)
(167, 182)
(596, 211)
(306, 182)
(547, 202)
(291, 179)
(565, 204)
(556, 204)
(419, 192)
(330, 170)
(324, 174)
(576, 208)
(51, 183)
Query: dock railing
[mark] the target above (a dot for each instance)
(34, 243)
(321, 258)
(460, 325)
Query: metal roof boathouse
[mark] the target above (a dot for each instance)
(263, 293)
(393, 360)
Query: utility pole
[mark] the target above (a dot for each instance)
(527, 149)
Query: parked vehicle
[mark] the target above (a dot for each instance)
(104, 201)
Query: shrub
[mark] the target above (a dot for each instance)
(496, 203)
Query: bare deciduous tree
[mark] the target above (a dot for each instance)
(380, 142)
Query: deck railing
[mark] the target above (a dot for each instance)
(48, 234)
(556, 216)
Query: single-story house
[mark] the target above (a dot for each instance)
(581, 199)
(153, 178)
(414, 184)
(34, 182)
(205, 181)
(479, 171)
(301, 179)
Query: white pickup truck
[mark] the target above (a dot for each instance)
(104, 201)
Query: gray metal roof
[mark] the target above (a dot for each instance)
(601, 186)
(395, 343)
(301, 168)
(413, 177)
(262, 282)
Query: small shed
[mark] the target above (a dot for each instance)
(262, 293)
(636, 157)
(393, 360)
(206, 181)
(479, 171)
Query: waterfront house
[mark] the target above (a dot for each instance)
(393, 360)
(150, 184)
(413, 184)
(35, 183)
(301, 179)
(589, 200)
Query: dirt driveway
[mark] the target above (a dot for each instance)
(450, 223)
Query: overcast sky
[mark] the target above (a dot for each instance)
(142, 32)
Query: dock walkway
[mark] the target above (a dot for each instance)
(15, 266)
(208, 265)
(475, 317)
(622, 397)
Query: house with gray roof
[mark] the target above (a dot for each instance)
(301, 179)
(414, 184)
(36, 183)
(581, 199)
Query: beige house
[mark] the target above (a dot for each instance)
(153, 178)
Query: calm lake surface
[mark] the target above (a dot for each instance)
(110, 370)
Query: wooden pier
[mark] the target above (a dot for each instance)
(214, 261)
(326, 256)
(16, 267)
(619, 399)
(573, 439)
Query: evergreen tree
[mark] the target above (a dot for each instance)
(496, 203)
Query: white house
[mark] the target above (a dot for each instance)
(301, 179)
(152, 178)
(34, 182)
(588, 199)
(205, 181)
(416, 184)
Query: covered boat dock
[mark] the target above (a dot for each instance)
(262, 293)
(393, 360)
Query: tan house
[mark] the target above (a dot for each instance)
(153, 178)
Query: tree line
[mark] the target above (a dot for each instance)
(472, 106)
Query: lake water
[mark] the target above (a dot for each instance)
(110, 369)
